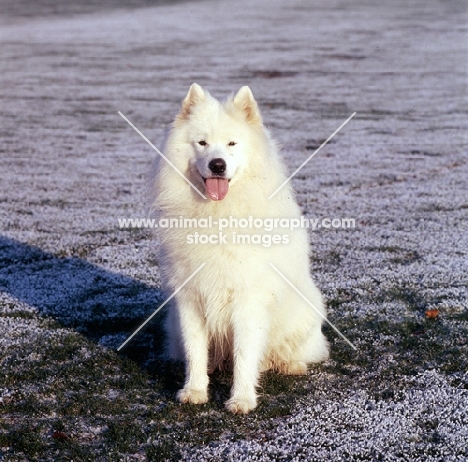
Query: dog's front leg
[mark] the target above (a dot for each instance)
(195, 344)
(250, 326)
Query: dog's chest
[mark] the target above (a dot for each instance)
(217, 308)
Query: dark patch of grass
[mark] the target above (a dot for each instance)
(400, 256)
(25, 439)
(341, 296)
(125, 436)
(384, 248)
(164, 450)
(69, 449)
(276, 384)
(425, 153)
(437, 207)
(89, 404)
(410, 296)
(279, 394)
(332, 258)
(415, 345)
(27, 404)
(18, 315)
(406, 258)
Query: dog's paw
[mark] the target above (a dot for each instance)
(240, 405)
(192, 396)
(296, 368)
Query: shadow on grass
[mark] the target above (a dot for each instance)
(104, 306)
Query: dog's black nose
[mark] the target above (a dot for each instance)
(217, 166)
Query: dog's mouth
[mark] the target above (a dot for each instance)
(216, 187)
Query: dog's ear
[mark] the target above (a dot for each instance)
(195, 95)
(245, 101)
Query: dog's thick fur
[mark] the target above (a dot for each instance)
(237, 309)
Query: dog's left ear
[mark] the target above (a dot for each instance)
(245, 101)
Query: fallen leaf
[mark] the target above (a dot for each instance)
(60, 436)
(431, 314)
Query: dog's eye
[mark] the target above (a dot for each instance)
(232, 143)
(202, 143)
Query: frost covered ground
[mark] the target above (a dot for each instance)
(73, 285)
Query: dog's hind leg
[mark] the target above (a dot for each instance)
(316, 347)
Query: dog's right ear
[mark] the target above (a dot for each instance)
(245, 101)
(195, 95)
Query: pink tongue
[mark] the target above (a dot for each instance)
(217, 188)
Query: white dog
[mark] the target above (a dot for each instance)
(237, 310)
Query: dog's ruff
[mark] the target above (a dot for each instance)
(237, 310)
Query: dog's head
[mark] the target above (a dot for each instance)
(219, 135)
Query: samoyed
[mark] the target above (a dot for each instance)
(252, 306)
